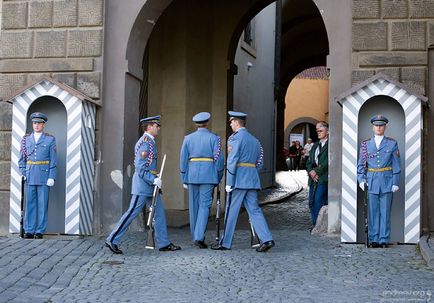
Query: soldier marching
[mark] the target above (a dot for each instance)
(145, 178)
(201, 165)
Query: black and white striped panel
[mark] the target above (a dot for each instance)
(87, 168)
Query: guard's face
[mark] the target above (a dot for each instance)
(322, 132)
(38, 127)
(153, 129)
(233, 124)
(379, 129)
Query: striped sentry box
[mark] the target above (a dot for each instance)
(81, 112)
(352, 101)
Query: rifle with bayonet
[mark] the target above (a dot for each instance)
(150, 241)
(365, 191)
(254, 239)
(217, 216)
(365, 194)
(23, 183)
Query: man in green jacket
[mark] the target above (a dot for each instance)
(318, 168)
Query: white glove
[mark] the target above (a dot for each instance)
(395, 188)
(228, 188)
(24, 177)
(158, 182)
(362, 185)
(185, 186)
(50, 182)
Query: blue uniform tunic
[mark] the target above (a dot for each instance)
(37, 163)
(201, 166)
(381, 169)
(145, 162)
(245, 160)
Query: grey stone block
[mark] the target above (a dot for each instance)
(392, 59)
(90, 12)
(5, 175)
(393, 73)
(15, 44)
(10, 83)
(4, 213)
(409, 35)
(5, 145)
(421, 8)
(50, 44)
(85, 43)
(5, 116)
(40, 14)
(321, 226)
(65, 13)
(394, 9)
(66, 78)
(14, 15)
(414, 77)
(366, 9)
(36, 76)
(89, 84)
(46, 65)
(431, 33)
(358, 76)
(370, 36)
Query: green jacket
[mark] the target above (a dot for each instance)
(323, 163)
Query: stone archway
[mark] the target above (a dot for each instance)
(128, 28)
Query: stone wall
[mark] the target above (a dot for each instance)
(62, 39)
(392, 36)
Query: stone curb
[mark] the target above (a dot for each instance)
(280, 198)
(427, 251)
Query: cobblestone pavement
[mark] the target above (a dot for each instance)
(301, 268)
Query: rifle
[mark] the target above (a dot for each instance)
(228, 206)
(23, 182)
(217, 216)
(365, 194)
(254, 239)
(150, 241)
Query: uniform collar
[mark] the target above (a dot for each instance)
(150, 136)
(41, 135)
(202, 129)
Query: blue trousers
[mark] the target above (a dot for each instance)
(317, 199)
(199, 201)
(35, 214)
(249, 198)
(136, 205)
(379, 208)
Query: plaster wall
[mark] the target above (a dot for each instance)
(301, 92)
(254, 87)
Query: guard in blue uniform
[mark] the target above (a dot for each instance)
(245, 160)
(201, 165)
(144, 179)
(379, 165)
(37, 164)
